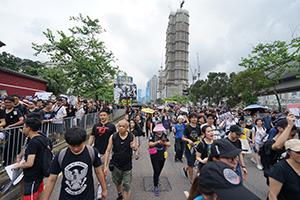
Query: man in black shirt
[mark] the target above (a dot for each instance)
(76, 162)
(122, 142)
(235, 134)
(32, 108)
(19, 106)
(191, 136)
(33, 171)
(39, 104)
(274, 148)
(13, 118)
(101, 133)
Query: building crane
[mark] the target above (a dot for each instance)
(199, 72)
(194, 74)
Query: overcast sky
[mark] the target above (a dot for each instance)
(220, 31)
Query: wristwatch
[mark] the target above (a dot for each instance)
(9, 126)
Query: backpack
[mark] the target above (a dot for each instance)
(48, 141)
(47, 157)
(62, 154)
(266, 161)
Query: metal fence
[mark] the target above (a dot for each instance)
(14, 138)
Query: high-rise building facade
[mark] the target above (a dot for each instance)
(174, 78)
(152, 84)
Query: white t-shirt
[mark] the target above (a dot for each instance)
(79, 113)
(62, 111)
(259, 133)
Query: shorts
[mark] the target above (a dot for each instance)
(139, 140)
(259, 144)
(190, 158)
(119, 175)
(31, 190)
(57, 128)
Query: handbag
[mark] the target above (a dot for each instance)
(152, 151)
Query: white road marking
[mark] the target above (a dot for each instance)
(186, 193)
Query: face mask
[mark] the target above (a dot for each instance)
(52, 99)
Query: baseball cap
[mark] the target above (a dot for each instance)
(279, 116)
(225, 148)
(221, 178)
(236, 129)
(84, 101)
(282, 123)
(293, 144)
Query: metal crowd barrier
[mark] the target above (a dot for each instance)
(14, 138)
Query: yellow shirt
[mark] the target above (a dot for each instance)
(245, 131)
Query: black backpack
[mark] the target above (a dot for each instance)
(266, 161)
(47, 157)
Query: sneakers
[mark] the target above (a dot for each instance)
(253, 160)
(176, 159)
(260, 167)
(120, 197)
(181, 161)
(185, 174)
(156, 193)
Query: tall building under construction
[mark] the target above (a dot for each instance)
(174, 78)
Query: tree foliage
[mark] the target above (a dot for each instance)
(273, 60)
(26, 66)
(248, 99)
(248, 81)
(82, 57)
(232, 97)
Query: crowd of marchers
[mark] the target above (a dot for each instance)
(212, 141)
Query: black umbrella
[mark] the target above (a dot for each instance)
(138, 105)
(255, 108)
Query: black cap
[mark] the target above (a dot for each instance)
(225, 148)
(84, 101)
(221, 178)
(236, 129)
(279, 116)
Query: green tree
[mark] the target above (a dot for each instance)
(82, 56)
(248, 98)
(248, 81)
(232, 97)
(217, 82)
(159, 101)
(195, 92)
(272, 60)
(26, 66)
(58, 83)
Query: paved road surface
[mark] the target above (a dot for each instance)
(173, 171)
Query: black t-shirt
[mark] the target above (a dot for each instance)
(12, 117)
(35, 147)
(192, 133)
(160, 147)
(122, 153)
(85, 108)
(36, 110)
(290, 180)
(77, 182)
(236, 143)
(102, 134)
(22, 109)
(205, 150)
(134, 132)
(2, 114)
(44, 115)
(70, 113)
(139, 128)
